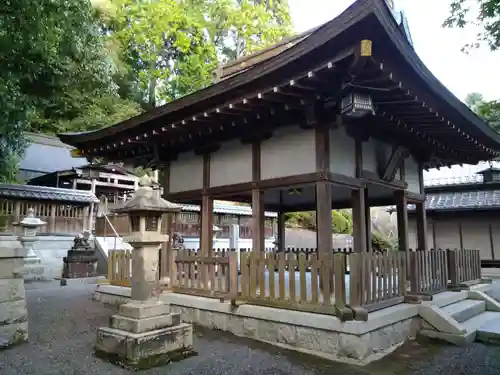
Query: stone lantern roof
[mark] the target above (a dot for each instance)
(146, 199)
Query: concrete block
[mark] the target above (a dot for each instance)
(11, 290)
(144, 350)
(10, 267)
(12, 312)
(146, 309)
(437, 318)
(13, 334)
(460, 339)
(491, 303)
(146, 324)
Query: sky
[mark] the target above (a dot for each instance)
(439, 49)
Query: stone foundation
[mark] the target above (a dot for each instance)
(321, 335)
(144, 335)
(13, 311)
(339, 346)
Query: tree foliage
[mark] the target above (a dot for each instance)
(488, 110)
(462, 13)
(73, 65)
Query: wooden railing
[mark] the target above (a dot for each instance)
(284, 282)
(464, 266)
(428, 272)
(120, 267)
(377, 280)
(208, 276)
(308, 282)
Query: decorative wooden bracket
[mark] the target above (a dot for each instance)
(397, 156)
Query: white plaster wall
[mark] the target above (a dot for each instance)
(291, 151)
(369, 155)
(447, 235)
(186, 173)
(232, 164)
(342, 153)
(223, 243)
(412, 175)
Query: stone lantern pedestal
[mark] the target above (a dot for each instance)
(145, 333)
(33, 269)
(81, 260)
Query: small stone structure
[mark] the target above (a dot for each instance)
(145, 333)
(13, 311)
(81, 260)
(33, 269)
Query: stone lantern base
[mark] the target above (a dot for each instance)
(144, 335)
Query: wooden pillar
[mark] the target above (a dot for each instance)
(324, 218)
(74, 184)
(460, 235)
(281, 231)
(492, 242)
(258, 221)
(91, 208)
(359, 230)
(402, 212)
(368, 220)
(421, 226)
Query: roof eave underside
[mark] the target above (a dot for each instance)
(216, 94)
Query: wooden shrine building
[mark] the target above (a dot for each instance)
(349, 116)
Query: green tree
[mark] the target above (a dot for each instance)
(462, 13)
(488, 110)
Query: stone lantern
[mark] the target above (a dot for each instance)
(29, 226)
(145, 333)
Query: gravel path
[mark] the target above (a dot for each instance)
(63, 322)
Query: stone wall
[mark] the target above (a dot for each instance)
(338, 346)
(13, 311)
(50, 249)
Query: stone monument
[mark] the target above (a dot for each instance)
(145, 333)
(33, 269)
(81, 260)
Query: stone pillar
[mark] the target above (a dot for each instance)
(13, 309)
(145, 333)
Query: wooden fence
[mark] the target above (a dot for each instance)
(377, 280)
(308, 282)
(464, 266)
(60, 217)
(428, 272)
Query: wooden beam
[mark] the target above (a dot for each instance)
(397, 155)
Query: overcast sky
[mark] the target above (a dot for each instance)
(439, 49)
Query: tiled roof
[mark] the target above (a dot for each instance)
(227, 209)
(465, 200)
(48, 154)
(46, 193)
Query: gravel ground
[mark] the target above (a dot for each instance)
(63, 322)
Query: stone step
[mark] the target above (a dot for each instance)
(489, 332)
(478, 321)
(143, 325)
(465, 310)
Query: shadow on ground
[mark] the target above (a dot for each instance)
(63, 322)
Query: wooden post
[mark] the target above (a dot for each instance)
(368, 219)
(258, 221)
(324, 232)
(402, 218)
(91, 209)
(421, 227)
(206, 235)
(324, 218)
(281, 232)
(359, 229)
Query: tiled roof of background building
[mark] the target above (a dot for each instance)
(30, 192)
